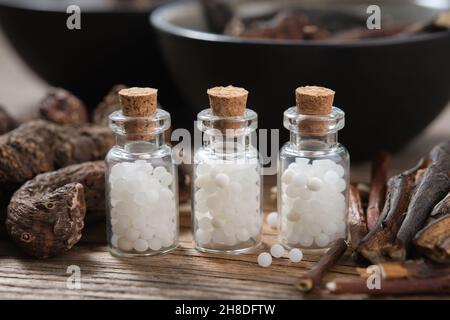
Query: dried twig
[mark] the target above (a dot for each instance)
(313, 277)
(377, 194)
(439, 285)
(377, 244)
(356, 220)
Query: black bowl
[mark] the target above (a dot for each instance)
(390, 88)
(115, 45)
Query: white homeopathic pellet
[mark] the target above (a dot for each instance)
(222, 180)
(314, 184)
(322, 240)
(143, 209)
(313, 203)
(227, 206)
(140, 245)
(295, 255)
(264, 259)
(272, 219)
(277, 251)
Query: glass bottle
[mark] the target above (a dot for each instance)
(313, 177)
(227, 204)
(141, 187)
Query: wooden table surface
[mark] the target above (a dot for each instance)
(181, 274)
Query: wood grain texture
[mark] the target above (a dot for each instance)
(182, 274)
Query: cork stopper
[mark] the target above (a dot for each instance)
(138, 102)
(228, 101)
(313, 100)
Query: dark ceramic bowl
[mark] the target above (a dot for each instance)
(390, 88)
(115, 44)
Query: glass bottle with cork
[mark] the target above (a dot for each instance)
(141, 178)
(226, 204)
(313, 173)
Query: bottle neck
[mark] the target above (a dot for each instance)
(227, 144)
(140, 143)
(314, 143)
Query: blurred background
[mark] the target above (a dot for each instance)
(393, 83)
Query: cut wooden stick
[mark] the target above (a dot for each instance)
(434, 239)
(313, 277)
(439, 285)
(408, 269)
(376, 245)
(433, 187)
(356, 218)
(378, 186)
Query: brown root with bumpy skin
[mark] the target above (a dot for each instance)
(47, 214)
(40, 146)
(49, 224)
(62, 107)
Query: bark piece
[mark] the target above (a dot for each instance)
(46, 215)
(356, 219)
(433, 187)
(434, 239)
(377, 194)
(62, 107)
(376, 246)
(439, 285)
(313, 277)
(109, 104)
(7, 122)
